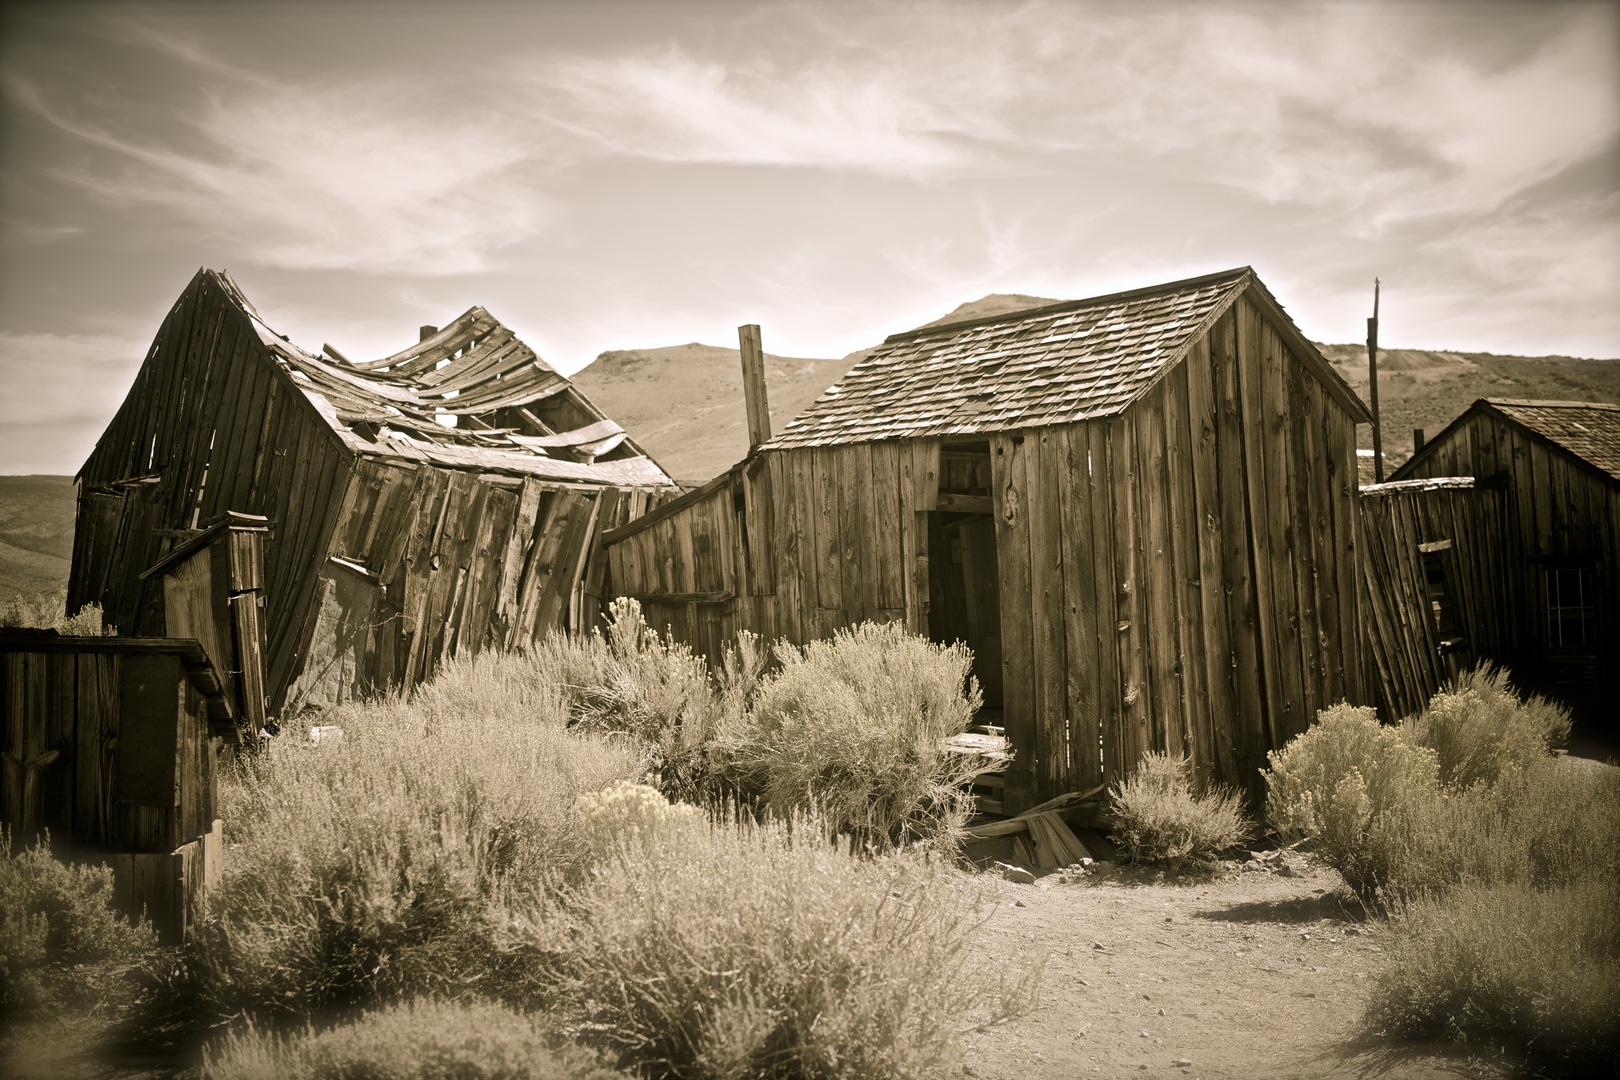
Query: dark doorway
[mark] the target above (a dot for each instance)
(963, 591)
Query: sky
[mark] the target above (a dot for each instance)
(617, 175)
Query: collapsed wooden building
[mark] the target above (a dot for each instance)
(426, 504)
(1139, 510)
(1555, 466)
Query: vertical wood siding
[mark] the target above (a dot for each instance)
(1404, 663)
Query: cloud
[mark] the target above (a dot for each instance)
(61, 389)
(667, 105)
(368, 175)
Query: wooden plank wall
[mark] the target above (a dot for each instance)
(1555, 509)
(107, 751)
(433, 563)
(1404, 664)
(211, 424)
(1179, 578)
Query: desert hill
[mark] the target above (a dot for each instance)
(36, 533)
(684, 403)
(1419, 388)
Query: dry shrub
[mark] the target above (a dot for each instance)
(1482, 728)
(737, 949)
(855, 726)
(48, 611)
(631, 683)
(61, 942)
(1509, 964)
(1352, 786)
(381, 867)
(1158, 818)
(419, 1040)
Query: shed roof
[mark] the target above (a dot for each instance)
(1078, 360)
(1588, 431)
(391, 407)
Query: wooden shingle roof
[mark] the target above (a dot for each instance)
(1077, 360)
(1587, 430)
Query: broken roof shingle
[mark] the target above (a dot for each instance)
(1050, 365)
(391, 407)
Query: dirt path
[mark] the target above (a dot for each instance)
(1254, 974)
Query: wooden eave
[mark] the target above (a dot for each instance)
(198, 667)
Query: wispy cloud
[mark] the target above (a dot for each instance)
(369, 175)
(667, 105)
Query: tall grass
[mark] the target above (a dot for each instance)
(1510, 964)
(740, 949)
(855, 727)
(382, 866)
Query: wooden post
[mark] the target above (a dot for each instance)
(1372, 382)
(753, 367)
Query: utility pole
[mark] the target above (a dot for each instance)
(1372, 376)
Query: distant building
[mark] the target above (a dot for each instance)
(1560, 464)
(423, 505)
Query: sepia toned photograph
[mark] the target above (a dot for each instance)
(823, 540)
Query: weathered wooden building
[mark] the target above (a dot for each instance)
(428, 503)
(1436, 588)
(1559, 463)
(1137, 509)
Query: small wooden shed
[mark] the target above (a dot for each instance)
(1559, 463)
(110, 744)
(435, 501)
(1137, 509)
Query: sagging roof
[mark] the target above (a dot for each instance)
(1078, 360)
(1588, 431)
(471, 370)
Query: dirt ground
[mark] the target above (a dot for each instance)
(1256, 971)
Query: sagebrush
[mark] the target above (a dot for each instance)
(1482, 728)
(416, 1040)
(1158, 817)
(1353, 786)
(48, 611)
(734, 948)
(381, 866)
(61, 941)
(855, 726)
